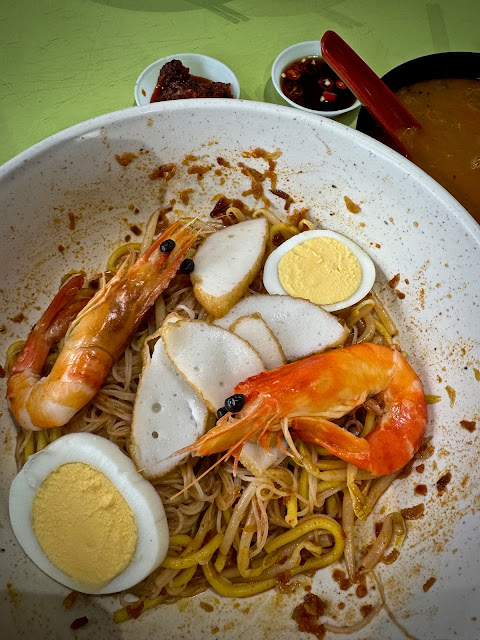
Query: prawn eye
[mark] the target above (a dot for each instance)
(187, 266)
(167, 246)
(235, 402)
(221, 412)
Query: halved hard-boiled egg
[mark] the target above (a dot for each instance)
(86, 517)
(323, 267)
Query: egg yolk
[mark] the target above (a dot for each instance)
(322, 270)
(84, 524)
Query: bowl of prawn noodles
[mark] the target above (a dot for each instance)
(68, 202)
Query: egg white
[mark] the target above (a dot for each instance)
(272, 282)
(141, 497)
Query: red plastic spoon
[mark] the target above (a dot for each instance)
(375, 96)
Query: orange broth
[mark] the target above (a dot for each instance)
(448, 147)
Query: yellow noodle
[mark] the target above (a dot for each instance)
(318, 522)
(42, 440)
(125, 249)
(383, 332)
(241, 590)
(291, 517)
(384, 315)
(29, 449)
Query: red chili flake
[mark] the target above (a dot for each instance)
(188, 159)
(79, 622)
(361, 591)
(306, 615)
(69, 601)
(283, 578)
(469, 425)
(407, 469)
(394, 281)
(352, 206)
(185, 195)
(198, 170)
(429, 583)
(341, 579)
(443, 481)
(125, 159)
(421, 489)
(341, 84)
(223, 163)
(426, 451)
(72, 220)
(134, 610)
(366, 609)
(314, 605)
(278, 239)
(165, 172)
(297, 215)
(281, 194)
(18, 318)
(391, 557)
(413, 513)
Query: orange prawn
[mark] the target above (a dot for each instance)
(324, 387)
(95, 339)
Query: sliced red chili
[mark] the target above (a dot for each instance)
(329, 96)
(293, 89)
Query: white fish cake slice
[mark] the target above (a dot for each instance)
(211, 359)
(227, 262)
(257, 333)
(301, 327)
(167, 415)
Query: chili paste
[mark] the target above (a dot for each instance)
(175, 83)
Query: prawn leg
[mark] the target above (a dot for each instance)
(338, 441)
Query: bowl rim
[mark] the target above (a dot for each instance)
(34, 152)
(275, 75)
(235, 85)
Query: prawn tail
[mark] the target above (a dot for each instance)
(338, 441)
(51, 327)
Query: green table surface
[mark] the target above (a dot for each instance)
(63, 62)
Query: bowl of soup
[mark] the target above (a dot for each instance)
(442, 91)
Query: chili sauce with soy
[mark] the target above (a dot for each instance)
(311, 83)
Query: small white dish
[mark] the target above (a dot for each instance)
(199, 65)
(291, 54)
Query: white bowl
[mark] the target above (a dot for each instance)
(291, 54)
(199, 65)
(407, 223)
